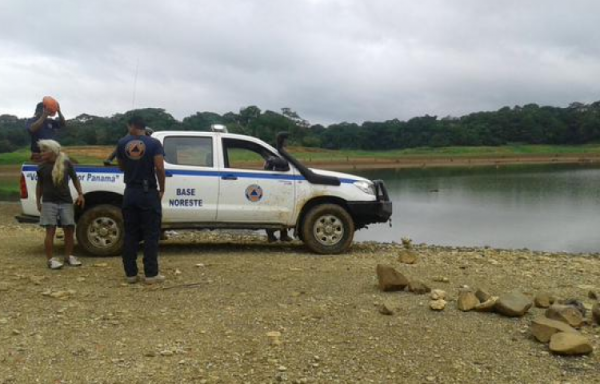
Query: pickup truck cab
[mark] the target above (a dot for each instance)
(222, 180)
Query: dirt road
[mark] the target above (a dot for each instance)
(209, 322)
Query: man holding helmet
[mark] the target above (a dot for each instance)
(41, 127)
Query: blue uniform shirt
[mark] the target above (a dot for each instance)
(48, 130)
(137, 154)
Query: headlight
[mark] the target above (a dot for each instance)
(365, 186)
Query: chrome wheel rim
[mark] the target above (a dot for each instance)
(103, 232)
(328, 230)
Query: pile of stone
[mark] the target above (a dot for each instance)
(407, 255)
(558, 326)
(513, 304)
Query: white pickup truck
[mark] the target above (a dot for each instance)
(218, 180)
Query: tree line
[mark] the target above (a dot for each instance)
(578, 123)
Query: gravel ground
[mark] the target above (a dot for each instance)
(224, 293)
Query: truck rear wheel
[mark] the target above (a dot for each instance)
(100, 230)
(327, 229)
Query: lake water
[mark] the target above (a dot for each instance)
(549, 207)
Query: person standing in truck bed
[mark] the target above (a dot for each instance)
(41, 127)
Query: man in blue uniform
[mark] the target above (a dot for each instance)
(108, 162)
(40, 127)
(141, 158)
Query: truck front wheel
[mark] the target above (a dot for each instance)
(327, 229)
(100, 230)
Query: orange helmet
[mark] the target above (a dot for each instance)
(50, 104)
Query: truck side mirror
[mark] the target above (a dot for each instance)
(275, 163)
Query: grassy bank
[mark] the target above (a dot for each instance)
(81, 155)
(9, 192)
(95, 154)
(14, 158)
(318, 154)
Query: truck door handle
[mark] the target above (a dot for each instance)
(228, 177)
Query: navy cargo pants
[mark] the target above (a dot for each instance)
(142, 214)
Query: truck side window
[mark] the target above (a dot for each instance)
(242, 154)
(186, 150)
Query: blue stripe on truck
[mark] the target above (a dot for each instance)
(79, 169)
(183, 172)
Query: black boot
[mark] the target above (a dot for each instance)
(271, 236)
(284, 236)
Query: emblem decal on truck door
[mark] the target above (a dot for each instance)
(254, 193)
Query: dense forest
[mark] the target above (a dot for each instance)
(530, 124)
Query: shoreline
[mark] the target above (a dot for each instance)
(455, 161)
(416, 162)
(8, 209)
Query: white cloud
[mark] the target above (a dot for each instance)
(329, 60)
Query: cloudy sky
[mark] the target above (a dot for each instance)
(330, 60)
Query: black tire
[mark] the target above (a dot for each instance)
(327, 229)
(100, 230)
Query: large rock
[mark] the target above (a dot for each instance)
(542, 328)
(466, 300)
(543, 300)
(390, 279)
(567, 314)
(564, 343)
(596, 313)
(418, 287)
(514, 304)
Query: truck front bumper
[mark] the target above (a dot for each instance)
(28, 219)
(370, 212)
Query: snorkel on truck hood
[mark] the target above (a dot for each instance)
(309, 175)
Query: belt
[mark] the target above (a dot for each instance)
(140, 186)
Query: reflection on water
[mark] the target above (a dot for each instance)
(552, 207)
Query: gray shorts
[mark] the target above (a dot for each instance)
(57, 215)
